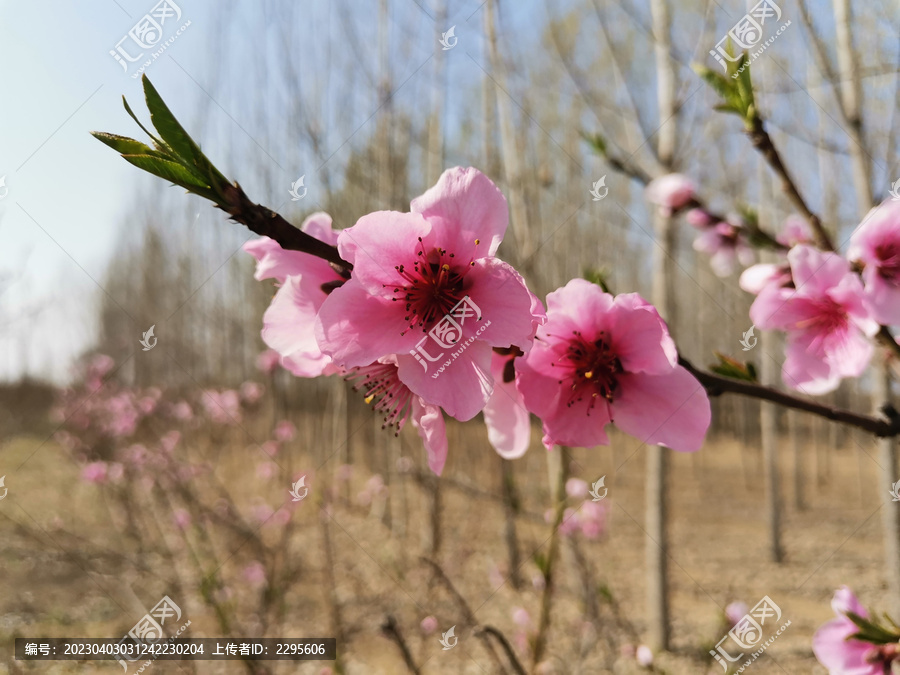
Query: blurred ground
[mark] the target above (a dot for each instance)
(68, 581)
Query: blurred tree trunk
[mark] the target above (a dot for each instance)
(512, 163)
(657, 546)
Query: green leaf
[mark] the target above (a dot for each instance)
(722, 85)
(871, 631)
(169, 170)
(744, 85)
(729, 367)
(159, 144)
(124, 145)
(596, 141)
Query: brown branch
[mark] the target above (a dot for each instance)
(265, 222)
(464, 606)
(504, 643)
(716, 385)
(761, 140)
(390, 628)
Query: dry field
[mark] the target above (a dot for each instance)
(64, 574)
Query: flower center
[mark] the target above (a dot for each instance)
(433, 286)
(826, 318)
(889, 261)
(381, 385)
(591, 369)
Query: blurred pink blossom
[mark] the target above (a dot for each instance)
(271, 448)
(670, 192)
(251, 392)
(95, 472)
(181, 518)
(266, 470)
(285, 431)
(429, 625)
(576, 488)
(876, 244)
(726, 246)
(182, 411)
(169, 441)
(344, 472)
(267, 360)
(255, 574)
(699, 218)
(644, 656)
(735, 611)
(795, 231)
(521, 618)
(593, 517)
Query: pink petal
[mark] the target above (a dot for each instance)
(274, 262)
(563, 424)
(640, 337)
(507, 420)
(754, 279)
(816, 271)
(464, 206)
(463, 386)
(807, 372)
(378, 243)
(845, 600)
(356, 328)
(839, 655)
(671, 410)
(504, 300)
(882, 297)
(288, 329)
(429, 422)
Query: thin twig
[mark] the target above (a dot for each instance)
(390, 628)
(468, 614)
(716, 385)
(504, 643)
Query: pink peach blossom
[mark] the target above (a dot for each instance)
(266, 470)
(508, 422)
(251, 392)
(521, 617)
(592, 517)
(95, 472)
(876, 244)
(429, 625)
(255, 574)
(699, 218)
(383, 387)
(169, 441)
(644, 656)
(410, 270)
(825, 318)
(344, 472)
(182, 411)
(735, 611)
(757, 277)
(267, 360)
(285, 431)
(576, 488)
(671, 192)
(181, 518)
(833, 649)
(601, 359)
(726, 246)
(795, 231)
(305, 282)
